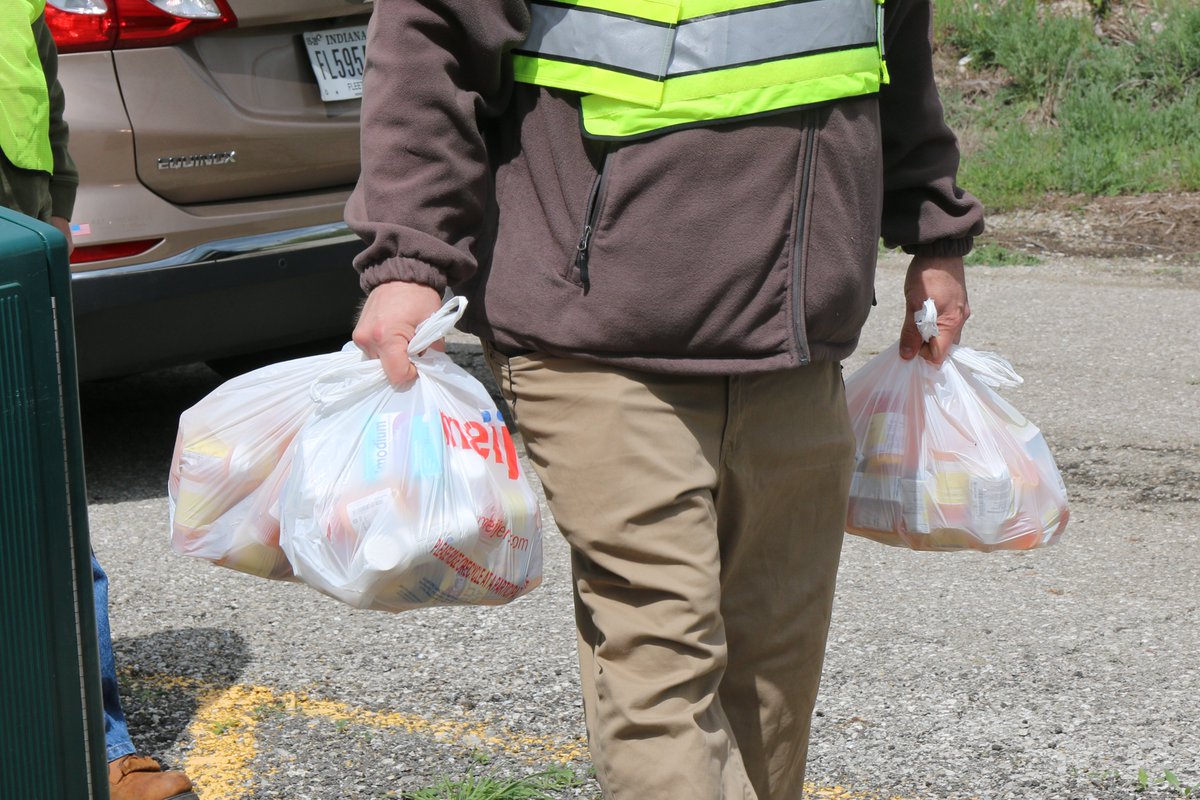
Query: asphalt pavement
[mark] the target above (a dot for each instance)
(1070, 672)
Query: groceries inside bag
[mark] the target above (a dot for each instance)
(944, 462)
(412, 496)
(231, 458)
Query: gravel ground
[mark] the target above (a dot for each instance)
(1053, 674)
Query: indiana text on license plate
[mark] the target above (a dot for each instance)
(338, 58)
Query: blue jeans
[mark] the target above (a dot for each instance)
(116, 733)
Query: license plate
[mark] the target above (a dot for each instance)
(338, 57)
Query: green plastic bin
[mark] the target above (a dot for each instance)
(51, 713)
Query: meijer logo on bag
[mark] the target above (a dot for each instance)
(487, 438)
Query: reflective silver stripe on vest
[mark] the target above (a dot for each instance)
(587, 36)
(765, 34)
(717, 41)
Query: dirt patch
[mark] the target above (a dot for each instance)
(1132, 477)
(1163, 227)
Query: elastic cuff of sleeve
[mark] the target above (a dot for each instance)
(942, 247)
(62, 199)
(409, 270)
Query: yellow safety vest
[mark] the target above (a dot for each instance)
(647, 66)
(24, 98)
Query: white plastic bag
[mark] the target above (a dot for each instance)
(231, 457)
(406, 497)
(945, 463)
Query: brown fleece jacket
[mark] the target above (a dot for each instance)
(740, 247)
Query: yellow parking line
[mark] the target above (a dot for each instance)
(224, 742)
(815, 792)
(224, 728)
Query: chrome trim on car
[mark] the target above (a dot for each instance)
(293, 239)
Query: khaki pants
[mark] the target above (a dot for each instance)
(705, 517)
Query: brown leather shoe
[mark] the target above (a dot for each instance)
(135, 777)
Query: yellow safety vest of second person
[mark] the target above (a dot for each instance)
(649, 66)
(24, 97)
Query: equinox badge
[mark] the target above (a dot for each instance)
(198, 160)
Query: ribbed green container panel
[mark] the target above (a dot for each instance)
(51, 722)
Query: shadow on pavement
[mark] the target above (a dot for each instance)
(165, 677)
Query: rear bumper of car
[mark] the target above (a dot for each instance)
(223, 299)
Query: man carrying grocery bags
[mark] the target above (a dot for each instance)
(665, 216)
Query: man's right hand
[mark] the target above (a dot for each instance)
(388, 321)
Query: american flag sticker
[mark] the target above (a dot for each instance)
(82, 229)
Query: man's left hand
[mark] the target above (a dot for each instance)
(64, 225)
(942, 279)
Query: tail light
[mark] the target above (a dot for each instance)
(85, 25)
(86, 254)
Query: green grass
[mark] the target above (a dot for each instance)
(545, 785)
(993, 255)
(1168, 779)
(1074, 111)
(222, 727)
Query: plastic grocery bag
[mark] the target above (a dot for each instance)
(404, 497)
(944, 462)
(231, 458)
